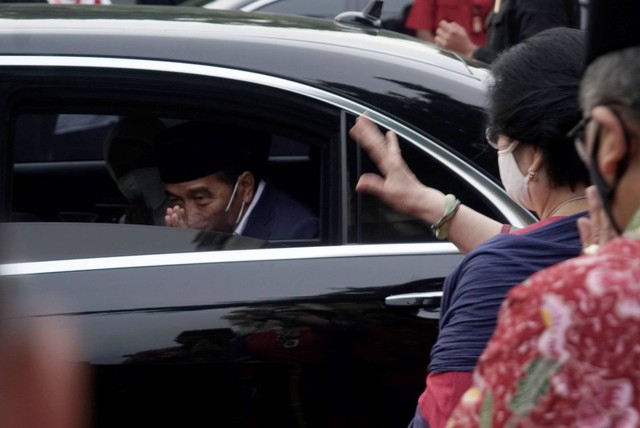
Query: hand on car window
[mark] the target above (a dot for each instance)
(397, 187)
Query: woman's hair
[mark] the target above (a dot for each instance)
(534, 99)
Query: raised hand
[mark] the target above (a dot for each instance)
(400, 189)
(397, 187)
(176, 217)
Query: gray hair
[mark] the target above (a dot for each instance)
(614, 79)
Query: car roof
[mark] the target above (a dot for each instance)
(53, 30)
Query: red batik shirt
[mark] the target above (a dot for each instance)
(566, 351)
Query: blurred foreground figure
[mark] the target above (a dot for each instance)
(41, 382)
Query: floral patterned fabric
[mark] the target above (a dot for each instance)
(566, 351)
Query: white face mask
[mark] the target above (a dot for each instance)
(233, 195)
(516, 184)
(145, 182)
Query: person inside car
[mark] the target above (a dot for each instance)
(214, 177)
(539, 169)
(130, 159)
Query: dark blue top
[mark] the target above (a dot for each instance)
(475, 289)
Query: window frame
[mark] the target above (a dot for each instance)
(32, 89)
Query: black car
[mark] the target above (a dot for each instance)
(193, 328)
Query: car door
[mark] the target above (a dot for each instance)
(198, 328)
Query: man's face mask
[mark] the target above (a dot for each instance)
(233, 195)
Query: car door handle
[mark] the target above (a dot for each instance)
(415, 300)
(426, 299)
(427, 303)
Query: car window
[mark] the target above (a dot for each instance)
(64, 156)
(63, 137)
(327, 8)
(59, 173)
(371, 221)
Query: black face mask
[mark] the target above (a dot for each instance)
(607, 191)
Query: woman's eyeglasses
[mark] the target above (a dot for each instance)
(487, 134)
(494, 143)
(578, 134)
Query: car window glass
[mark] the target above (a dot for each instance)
(60, 173)
(224, 4)
(371, 221)
(61, 137)
(329, 8)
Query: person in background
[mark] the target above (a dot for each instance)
(425, 15)
(130, 158)
(214, 178)
(539, 169)
(510, 22)
(565, 351)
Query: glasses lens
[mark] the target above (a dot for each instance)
(577, 134)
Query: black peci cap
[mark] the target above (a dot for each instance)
(613, 25)
(194, 150)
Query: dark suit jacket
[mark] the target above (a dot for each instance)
(279, 216)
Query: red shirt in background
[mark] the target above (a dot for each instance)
(470, 14)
